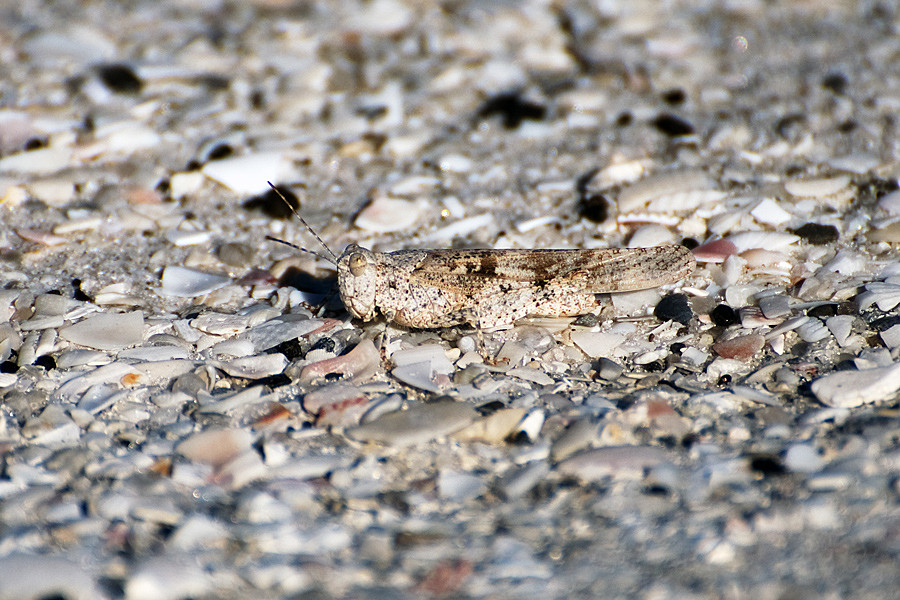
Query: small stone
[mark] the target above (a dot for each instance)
(608, 369)
(674, 307)
(108, 331)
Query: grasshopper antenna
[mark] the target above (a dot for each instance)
(301, 249)
(332, 258)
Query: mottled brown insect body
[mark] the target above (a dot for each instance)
(490, 288)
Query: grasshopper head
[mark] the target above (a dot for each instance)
(357, 281)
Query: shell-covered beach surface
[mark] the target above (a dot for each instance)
(187, 411)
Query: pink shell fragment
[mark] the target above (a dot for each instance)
(740, 348)
(336, 405)
(715, 251)
(359, 363)
(41, 237)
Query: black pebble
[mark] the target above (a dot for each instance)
(594, 208)
(120, 79)
(586, 320)
(512, 109)
(674, 96)
(723, 315)
(324, 343)
(292, 349)
(34, 143)
(220, 151)
(654, 367)
(790, 126)
(767, 465)
(673, 126)
(624, 119)
(674, 307)
(272, 381)
(836, 82)
(490, 408)
(884, 323)
(817, 234)
(46, 361)
(271, 204)
(823, 311)
(79, 293)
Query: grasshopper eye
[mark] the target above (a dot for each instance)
(358, 264)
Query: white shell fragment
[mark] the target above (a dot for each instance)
(271, 333)
(817, 188)
(384, 214)
(109, 331)
(768, 240)
(188, 283)
(42, 576)
(848, 389)
(248, 174)
(612, 461)
(254, 367)
(669, 192)
(416, 425)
